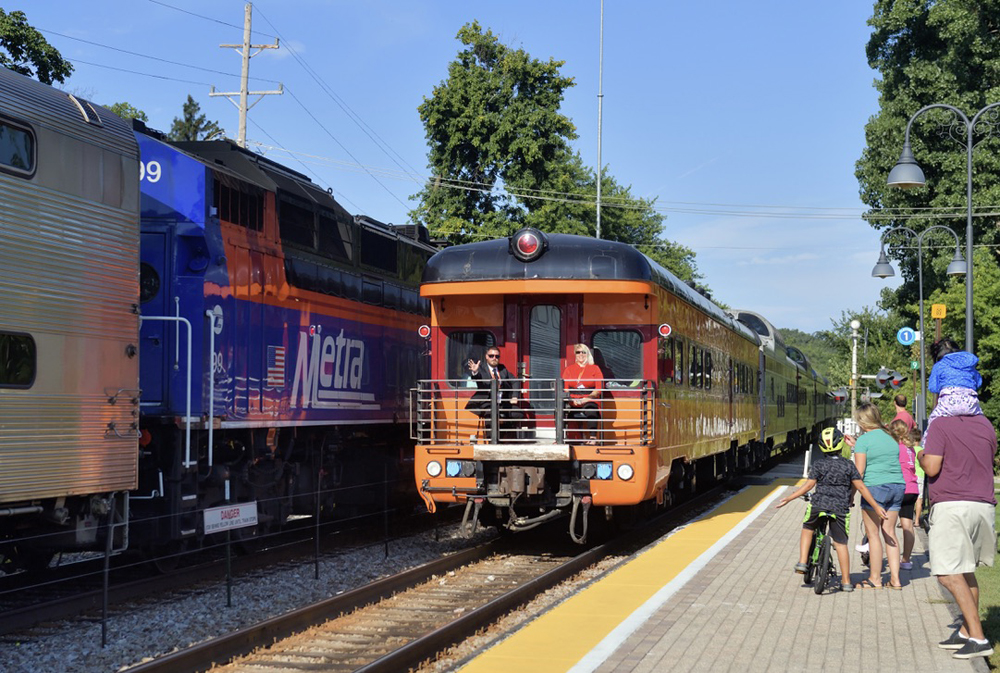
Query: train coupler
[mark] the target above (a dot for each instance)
(471, 524)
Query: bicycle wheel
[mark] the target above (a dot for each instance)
(811, 562)
(823, 571)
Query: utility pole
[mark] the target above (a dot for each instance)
(600, 104)
(244, 92)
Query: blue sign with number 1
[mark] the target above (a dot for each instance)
(906, 336)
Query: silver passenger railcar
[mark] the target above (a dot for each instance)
(69, 323)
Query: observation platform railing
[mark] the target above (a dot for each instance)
(442, 413)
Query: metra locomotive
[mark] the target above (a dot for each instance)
(689, 392)
(179, 321)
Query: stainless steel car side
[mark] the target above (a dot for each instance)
(69, 323)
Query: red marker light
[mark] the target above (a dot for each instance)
(424, 331)
(527, 244)
(665, 330)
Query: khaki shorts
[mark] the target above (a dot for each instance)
(962, 536)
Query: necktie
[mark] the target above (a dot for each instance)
(493, 373)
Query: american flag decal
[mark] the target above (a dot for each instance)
(276, 366)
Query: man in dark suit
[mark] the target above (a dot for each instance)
(484, 375)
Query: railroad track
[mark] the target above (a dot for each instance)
(28, 600)
(396, 623)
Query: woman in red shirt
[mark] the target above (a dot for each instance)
(583, 381)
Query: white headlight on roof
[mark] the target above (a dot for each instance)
(434, 468)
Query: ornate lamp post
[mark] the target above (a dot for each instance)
(907, 173)
(957, 267)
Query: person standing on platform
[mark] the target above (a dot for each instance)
(876, 455)
(583, 381)
(901, 413)
(907, 463)
(958, 458)
(835, 479)
(955, 381)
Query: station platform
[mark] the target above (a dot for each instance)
(719, 594)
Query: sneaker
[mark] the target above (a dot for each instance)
(801, 568)
(861, 547)
(973, 649)
(953, 642)
(906, 565)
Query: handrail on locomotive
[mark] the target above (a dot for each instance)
(624, 414)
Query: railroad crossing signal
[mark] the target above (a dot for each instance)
(839, 395)
(889, 377)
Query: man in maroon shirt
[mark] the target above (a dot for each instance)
(958, 459)
(902, 414)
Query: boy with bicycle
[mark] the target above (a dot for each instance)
(835, 479)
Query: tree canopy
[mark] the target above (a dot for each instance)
(193, 125)
(926, 52)
(128, 111)
(25, 51)
(938, 52)
(502, 152)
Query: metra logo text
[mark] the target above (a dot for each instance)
(329, 370)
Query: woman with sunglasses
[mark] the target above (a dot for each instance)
(583, 381)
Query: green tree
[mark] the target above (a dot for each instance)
(926, 52)
(24, 50)
(877, 348)
(128, 111)
(193, 125)
(931, 51)
(502, 147)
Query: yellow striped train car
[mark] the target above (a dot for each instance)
(680, 403)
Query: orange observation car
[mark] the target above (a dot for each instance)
(688, 394)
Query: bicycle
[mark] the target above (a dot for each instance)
(819, 562)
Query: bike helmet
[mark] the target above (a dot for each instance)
(831, 440)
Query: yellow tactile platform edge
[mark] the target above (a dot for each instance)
(571, 635)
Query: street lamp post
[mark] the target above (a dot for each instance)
(855, 326)
(907, 173)
(956, 267)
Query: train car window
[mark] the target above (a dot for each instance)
(462, 347)
(696, 367)
(17, 148)
(297, 224)
(619, 354)
(754, 323)
(679, 365)
(18, 360)
(335, 237)
(665, 360)
(708, 370)
(379, 252)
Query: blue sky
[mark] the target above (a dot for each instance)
(743, 119)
